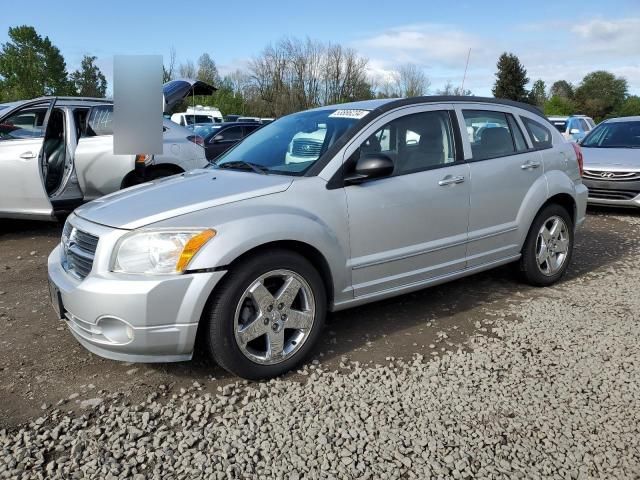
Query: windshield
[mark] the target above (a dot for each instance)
(561, 125)
(292, 144)
(614, 135)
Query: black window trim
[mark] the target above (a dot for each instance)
(534, 148)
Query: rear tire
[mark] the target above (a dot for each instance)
(548, 248)
(252, 316)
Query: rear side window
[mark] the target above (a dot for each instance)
(232, 134)
(489, 133)
(540, 135)
(584, 125)
(100, 121)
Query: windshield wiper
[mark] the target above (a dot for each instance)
(241, 164)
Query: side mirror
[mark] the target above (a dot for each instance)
(574, 131)
(217, 138)
(369, 167)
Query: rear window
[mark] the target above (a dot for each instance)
(540, 135)
(100, 121)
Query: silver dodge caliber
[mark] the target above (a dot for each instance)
(318, 211)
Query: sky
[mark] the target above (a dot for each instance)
(554, 40)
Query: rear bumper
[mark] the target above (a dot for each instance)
(133, 318)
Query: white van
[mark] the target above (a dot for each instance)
(198, 114)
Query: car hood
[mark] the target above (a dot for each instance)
(170, 197)
(174, 91)
(613, 159)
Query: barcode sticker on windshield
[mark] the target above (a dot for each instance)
(349, 114)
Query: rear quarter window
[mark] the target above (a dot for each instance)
(540, 134)
(100, 121)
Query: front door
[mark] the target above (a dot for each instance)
(22, 189)
(410, 227)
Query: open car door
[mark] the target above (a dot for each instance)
(22, 160)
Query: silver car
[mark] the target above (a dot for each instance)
(612, 163)
(57, 152)
(251, 253)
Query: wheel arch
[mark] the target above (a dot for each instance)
(308, 251)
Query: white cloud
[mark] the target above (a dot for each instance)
(551, 50)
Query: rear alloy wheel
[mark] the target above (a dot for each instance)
(548, 248)
(552, 245)
(266, 315)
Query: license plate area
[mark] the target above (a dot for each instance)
(56, 299)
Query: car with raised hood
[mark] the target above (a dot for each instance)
(251, 253)
(612, 162)
(57, 152)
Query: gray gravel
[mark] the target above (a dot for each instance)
(550, 389)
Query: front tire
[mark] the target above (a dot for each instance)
(266, 316)
(548, 248)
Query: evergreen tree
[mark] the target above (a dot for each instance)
(89, 81)
(511, 79)
(538, 94)
(31, 66)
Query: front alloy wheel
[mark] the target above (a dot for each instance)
(266, 315)
(274, 317)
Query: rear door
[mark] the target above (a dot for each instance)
(503, 169)
(99, 170)
(22, 162)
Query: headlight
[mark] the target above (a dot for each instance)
(158, 252)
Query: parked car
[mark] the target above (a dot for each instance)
(248, 119)
(231, 118)
(574, 127)
(199, 114)
(612, 162)
(57, 152)
(222, 137)
(252, 252)
(266, 121)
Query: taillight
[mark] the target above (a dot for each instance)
(197, 139)
(579, 157)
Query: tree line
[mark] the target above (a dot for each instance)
(296, 74)
(600, 94)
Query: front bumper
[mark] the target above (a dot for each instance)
(613, 193)
(130, 317)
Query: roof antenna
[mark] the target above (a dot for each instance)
(464, 77)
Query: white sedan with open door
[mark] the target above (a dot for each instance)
(57, 152)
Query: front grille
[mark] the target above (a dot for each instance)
(603, 194)
(606, 175)
(79, 248)
(306, 148)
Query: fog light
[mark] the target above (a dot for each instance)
(115, 330)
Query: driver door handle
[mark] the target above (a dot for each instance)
(530, 165)
(28, 155)
(449, 180)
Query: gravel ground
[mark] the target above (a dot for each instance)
(548, 386)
